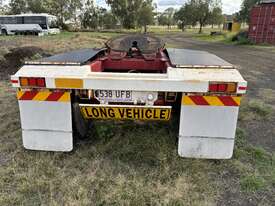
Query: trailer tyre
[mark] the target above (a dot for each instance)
(80, 125)
(4, 32)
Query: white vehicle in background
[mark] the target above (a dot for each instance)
(36, 24)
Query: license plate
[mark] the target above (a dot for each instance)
(126, 113)
(113, 95)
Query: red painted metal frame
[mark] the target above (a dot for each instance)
(114, 61)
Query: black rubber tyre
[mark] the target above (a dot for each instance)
(4, 32)
(80, 125)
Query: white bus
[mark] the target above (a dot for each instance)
(36, 24)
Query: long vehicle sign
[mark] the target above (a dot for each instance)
(126, 112)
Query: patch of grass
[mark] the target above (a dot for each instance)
(255, 165)
(255, 110)
(268, 95)
(225, 37)
(163, 29)
(252, 183)
(243, 41)
(209, 38)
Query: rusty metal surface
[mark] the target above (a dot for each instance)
(186, 58)
(77, 57)
(145, 43)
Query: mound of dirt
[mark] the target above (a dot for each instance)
(16, 58)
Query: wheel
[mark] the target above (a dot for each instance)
(4, 32)
(80, 125)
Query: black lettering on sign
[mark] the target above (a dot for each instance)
(129, 113)
(155, 114)
(136, 113)
(103, 112)
(148, 113)
(122, 93)
(121, 112)
(87, 111)
(101, 93)
(95, 112)
(128, 94)
(162, 114)
(111, 113)
(117, 94)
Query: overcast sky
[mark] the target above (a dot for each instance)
(229, 6)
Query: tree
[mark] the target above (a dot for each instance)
(126, 11)
(167, 17)
(162, 20)
(200, 11)
(216, 17)
(145, 15)
(109, 21)
(2, 8)
(244, 14)
(89, 19)
(17, 6)
(185, 16)
(74, 9)
(36, 6)
(202, 8)
(62, 9)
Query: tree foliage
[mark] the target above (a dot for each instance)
(89, 18)
(243, 15)
(96, 17)
(145, 15)
(216, 17)
(18, 6)
(127, 11)
(35, 6)
(186, 16)
(2, 8)
(167, 17)
(202, 12)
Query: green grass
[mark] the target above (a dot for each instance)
(255, 110)
(126, 163)
(226, 37)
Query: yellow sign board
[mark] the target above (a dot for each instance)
(126, 112)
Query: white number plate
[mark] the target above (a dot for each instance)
(113, 95)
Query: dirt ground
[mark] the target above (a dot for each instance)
(137, 164)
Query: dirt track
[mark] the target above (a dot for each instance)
(258, 68)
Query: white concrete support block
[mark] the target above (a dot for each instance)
(46, 125)
(207, 131)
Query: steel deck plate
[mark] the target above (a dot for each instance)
(77, 57)
(186, 58)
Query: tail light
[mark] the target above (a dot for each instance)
(223, 87)
(32, 82)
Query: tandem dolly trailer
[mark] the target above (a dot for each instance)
(132, 78)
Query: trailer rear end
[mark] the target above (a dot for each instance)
(60, 95)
